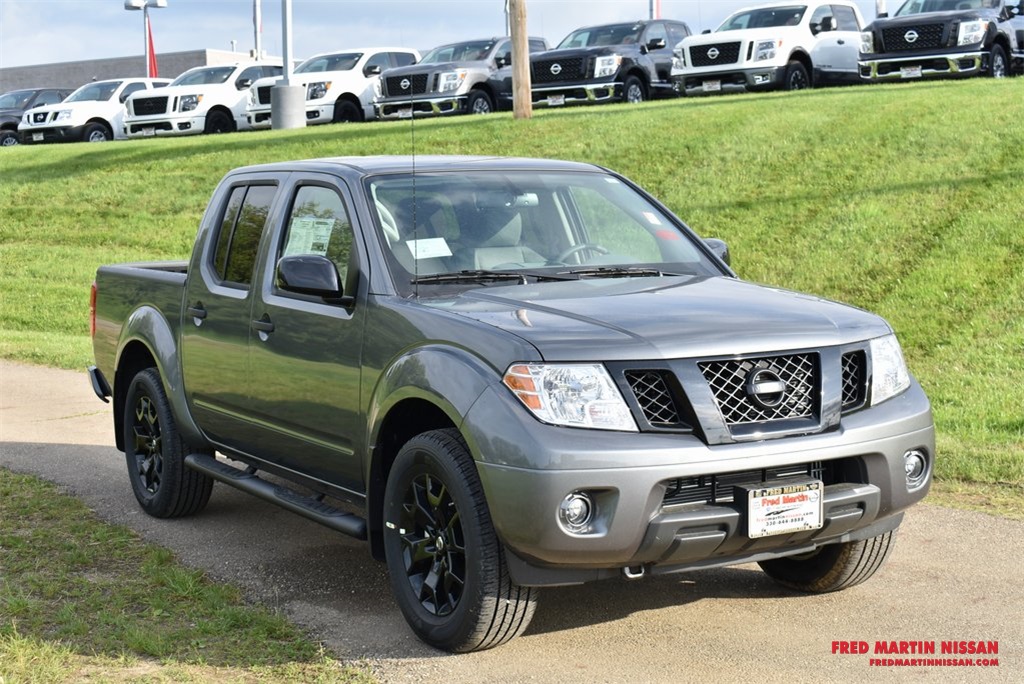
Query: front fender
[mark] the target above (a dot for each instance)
(147, 326)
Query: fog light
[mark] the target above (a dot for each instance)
(576, 511)
(916, 466)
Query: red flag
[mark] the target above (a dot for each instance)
(151, 66)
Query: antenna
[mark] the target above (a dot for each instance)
(415, 223)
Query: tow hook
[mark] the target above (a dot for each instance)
(634, 573)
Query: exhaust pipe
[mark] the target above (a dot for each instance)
(634, 573)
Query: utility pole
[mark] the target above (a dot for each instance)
(522, 100)
(880, 7)
(257, 28)
(287, 101)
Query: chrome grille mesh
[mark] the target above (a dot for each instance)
(854, 380)
(728, 380)
(653, 396)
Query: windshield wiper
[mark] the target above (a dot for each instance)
(478, 276)
(617, 271)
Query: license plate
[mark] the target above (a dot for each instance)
(712, 86)
(148, 131)
(910, 72)
(556, 100)
(37, 137)
(405, 113)
(784, 508)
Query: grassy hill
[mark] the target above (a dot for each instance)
(906, 200)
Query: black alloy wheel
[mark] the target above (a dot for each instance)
(796, 77)
(148, 451)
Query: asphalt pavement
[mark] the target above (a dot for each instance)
(953, 576)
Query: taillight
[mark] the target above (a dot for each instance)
(92, 310)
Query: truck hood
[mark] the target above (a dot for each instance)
(598, 51)
(719, 37)
(220, 90)
(623, 319)
(934, 18)
(305, 79)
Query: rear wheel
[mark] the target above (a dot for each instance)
(832, 567)
(155, 453)
(97, 132)
(346, 111)
(446, 565)
(998, 66)
(796, 77)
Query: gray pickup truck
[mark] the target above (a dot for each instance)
(506, 374)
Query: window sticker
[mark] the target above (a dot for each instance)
(431, 248)
(652, 218)
(309, 235)
(613, 181)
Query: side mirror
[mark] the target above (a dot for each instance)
(500, 62)
(243, 83)
(311, 274)
(705, 32)
(372, 70)
(828, 24)
(883, 15)
(123, 97)
(720, 249)
(656, 44)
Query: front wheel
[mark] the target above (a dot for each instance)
(633, 90)
(998, 66)
(446, 565)
(218, 122)
(832, 567)
(346, 111)
(8, 138)
(164, 486)
(479, 103)
(97, 132)
(796, 77)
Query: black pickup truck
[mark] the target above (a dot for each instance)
(944, 39)
(14, 104)
(614, 62)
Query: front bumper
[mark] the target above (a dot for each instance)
(527, 469)
(166, 125)
(422, 106)
(730, 81)
(260, 119)
(50, 134)
(576, 93)
(890, 67)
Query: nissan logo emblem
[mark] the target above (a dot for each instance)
(556, 68)
(910, 36)
(404, 84)
(765, 388)
(713, 53)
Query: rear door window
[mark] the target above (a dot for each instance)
(238, 242)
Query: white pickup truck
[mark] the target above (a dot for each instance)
(787, 46)
(204, 99)
(340, 86)
(93, 113)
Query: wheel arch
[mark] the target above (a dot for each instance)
(353, 99)
(221, 109)
(101, 121)
(801, 56)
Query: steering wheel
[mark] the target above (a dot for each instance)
(560, 259)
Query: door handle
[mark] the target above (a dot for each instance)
(263, 325)
(196, 311)
(841, 41)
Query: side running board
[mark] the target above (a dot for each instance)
(306, 506)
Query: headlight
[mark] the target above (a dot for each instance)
(678, 58)
(765, 49)
(972, 32)
(889, 375)
(316, 91)
(575, 395)
(63, 114)
(189, 102)
(607, 66)
(451, 80)
(867, 43)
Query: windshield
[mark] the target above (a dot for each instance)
(16, 99)
(544, 225)
(98, 92)
(770, 17)
(204, 76)
(343, 61)
(474, 51)
(921, 6)
(616, 34)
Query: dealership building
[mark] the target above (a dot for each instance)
(73, 74)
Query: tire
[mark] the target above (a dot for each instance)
(451, 539)
(218, 122)
(796, 77)
(479, 102)
(155, 453)
(8, 138)
(346, 111)
(833, 567)
(97, 132)
(633, 90)
(999, 67)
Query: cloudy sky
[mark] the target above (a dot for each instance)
(47, 31)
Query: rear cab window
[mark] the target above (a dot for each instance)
(238, 239)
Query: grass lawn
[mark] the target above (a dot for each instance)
(903, 199)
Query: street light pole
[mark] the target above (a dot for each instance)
(144, 5)
(287, 101)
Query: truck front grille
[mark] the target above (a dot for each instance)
(729, 382)
(715, 489)
(412, 84)
(855, 381)
(39, 117)
(556, 70)
(263, 95)
(923, 37)
(714, 55)
(147, 106)
(652, 394)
